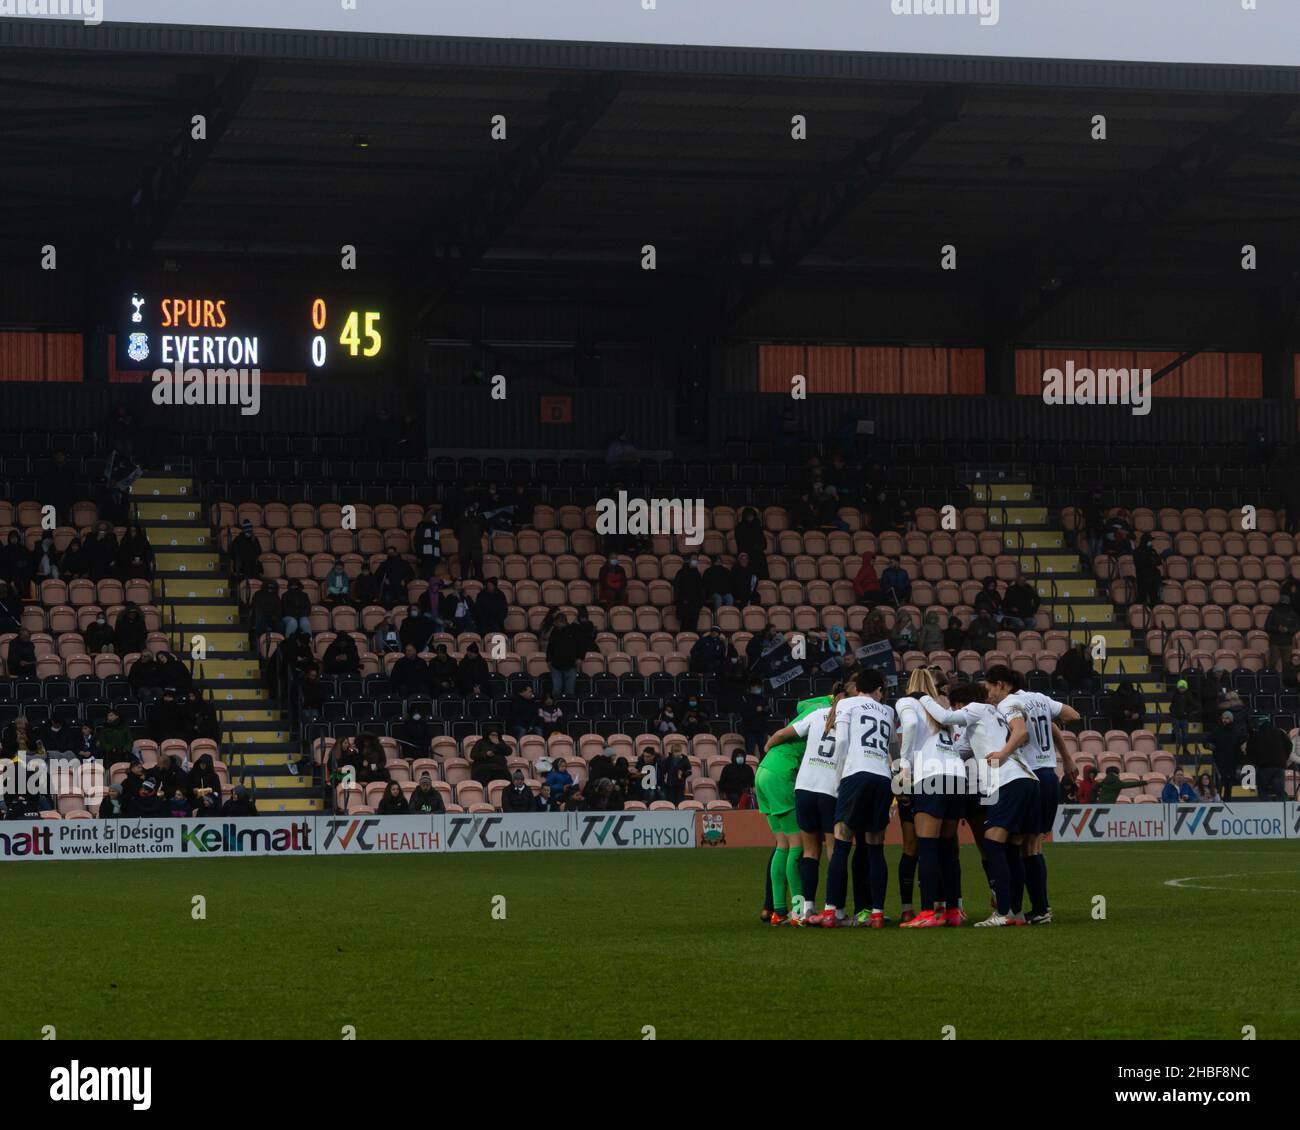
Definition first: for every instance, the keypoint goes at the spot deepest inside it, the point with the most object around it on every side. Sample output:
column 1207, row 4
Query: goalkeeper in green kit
column 774, row 787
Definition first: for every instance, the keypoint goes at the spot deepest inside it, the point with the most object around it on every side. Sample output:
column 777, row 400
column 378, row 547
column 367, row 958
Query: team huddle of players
column 984, row 753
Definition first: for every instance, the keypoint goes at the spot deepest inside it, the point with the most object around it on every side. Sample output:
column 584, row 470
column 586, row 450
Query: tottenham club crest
column 137, row 347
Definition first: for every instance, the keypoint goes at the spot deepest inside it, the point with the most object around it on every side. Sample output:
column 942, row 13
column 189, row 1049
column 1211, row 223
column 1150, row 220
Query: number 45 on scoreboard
column 359, row 335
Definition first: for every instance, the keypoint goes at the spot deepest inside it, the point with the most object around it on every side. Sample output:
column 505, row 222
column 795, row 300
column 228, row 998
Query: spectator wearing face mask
column 736, row 780
column 688, row 595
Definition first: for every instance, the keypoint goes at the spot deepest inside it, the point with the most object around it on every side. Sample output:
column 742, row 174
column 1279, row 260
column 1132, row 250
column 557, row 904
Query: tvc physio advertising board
column 342, row 835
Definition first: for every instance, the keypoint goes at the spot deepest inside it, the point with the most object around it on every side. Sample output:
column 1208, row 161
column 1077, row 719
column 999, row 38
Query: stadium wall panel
column 469, row 417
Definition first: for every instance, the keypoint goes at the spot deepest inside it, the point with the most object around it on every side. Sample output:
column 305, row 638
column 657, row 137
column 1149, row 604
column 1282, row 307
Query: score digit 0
column 318, row 324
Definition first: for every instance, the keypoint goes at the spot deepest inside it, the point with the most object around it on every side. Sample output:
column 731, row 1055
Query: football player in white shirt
column 938, row 793
column 1030, row 715
column 864, row 731
column 1010, row 799
column 912, row 731
column 815, row 788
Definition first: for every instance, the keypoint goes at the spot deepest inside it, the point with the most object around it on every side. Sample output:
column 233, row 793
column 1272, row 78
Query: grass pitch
column 1198, row 941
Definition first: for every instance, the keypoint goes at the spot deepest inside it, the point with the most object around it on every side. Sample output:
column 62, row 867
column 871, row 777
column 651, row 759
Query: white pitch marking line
column 1187, row 883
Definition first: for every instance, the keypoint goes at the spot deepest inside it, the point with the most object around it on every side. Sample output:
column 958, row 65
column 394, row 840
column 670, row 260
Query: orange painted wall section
column 36, row 356
column 885, row 370
column 1207, row 375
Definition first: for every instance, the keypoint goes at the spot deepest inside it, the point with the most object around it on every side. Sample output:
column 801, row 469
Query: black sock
column 808, row 869
column 879, row 875
column 1016, row 862
column 906, row 878
column 837, row 875
column 927, row 852
column 999, row 870
column 860, row 870
column 950, row 855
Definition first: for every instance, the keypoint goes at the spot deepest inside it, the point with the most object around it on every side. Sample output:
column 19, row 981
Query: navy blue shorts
column 974, row 809
column 863, row 801
column 1049, row 785
column 1016, row 808
column 943, row 801
column 815, row 812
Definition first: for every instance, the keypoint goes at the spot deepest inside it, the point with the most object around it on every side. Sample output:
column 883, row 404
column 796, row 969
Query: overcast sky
column 1157, row 30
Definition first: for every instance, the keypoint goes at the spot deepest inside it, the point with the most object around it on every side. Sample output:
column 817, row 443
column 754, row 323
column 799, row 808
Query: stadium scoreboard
column 312, row 333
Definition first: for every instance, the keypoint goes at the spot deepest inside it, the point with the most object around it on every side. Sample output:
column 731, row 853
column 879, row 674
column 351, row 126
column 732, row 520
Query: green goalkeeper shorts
column 775, row 793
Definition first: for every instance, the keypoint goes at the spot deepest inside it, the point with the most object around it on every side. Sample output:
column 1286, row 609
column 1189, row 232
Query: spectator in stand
column 755, row 722
column 1205, row 790
column 523, row 718
column 1117, row 534
column 1281, row 626
column 245, row 551
column 488, row 758
column 523, row 506
column 143, row 677
column 455, row 609
column 518, row 797
column 1268, row 749
column 903, row 638
column 410, row 675
column 20, row 659
column 442, row 672
column 954, row 636
column 744, row 582
column 1110, row 786
column 717, row 585
column 143, row 798
column 473, row 675
column 1127, row 708
column 982, row 635
column 17, row 565
column 491, row 607
column 469, row 541
column 931, row 635
column 1225, row 741
column 550, row 715
column 387, row 639
column 751, row 538
column 1086, row 786
column 266, row 610
column 111, row 807
column 296, row 605
column 666, row 721
column 47, row 560
column 240, row 803
column 392, row 803
column 1178, row 790
column 313, row 694
column 866, row 585
column 562, row 655
column 1020, row 605
column 611, row 583
column 708, row 653
column 647, row 787
column 989, row 600
column 365, row 589
column 374, row 762
column 72, row 563
column 426, row 542
column 874, row 628
column 416, row 628
column 1075, row 671
column 674, row 772
column 393, row 577
column 114, row 740
column 426, row 799
column 1149, row 567
column 135, row 555
column 180, row 804
column 736, row 781
column 688, row 595
column 100, row 550
column 341, row 657
column 1184, row 707
column 337, row 588
column 895, row 584
column 173, row 673
column 558, row 782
